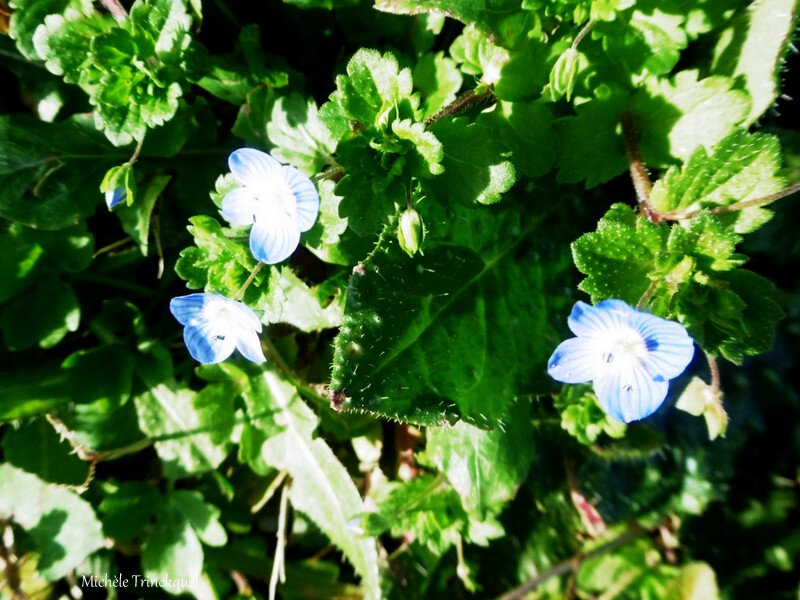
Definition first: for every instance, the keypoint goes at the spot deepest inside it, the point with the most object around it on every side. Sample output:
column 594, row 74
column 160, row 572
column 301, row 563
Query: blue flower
column 216, row 325
column 630, row 356
column 277, row 200
column 115, row 196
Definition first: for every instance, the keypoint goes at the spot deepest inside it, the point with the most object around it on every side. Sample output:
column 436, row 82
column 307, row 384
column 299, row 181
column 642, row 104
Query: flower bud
column 564, row 73
column 118, row 185
column 410, row 231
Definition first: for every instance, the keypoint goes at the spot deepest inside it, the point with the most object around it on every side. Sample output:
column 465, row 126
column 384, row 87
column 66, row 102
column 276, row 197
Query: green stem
column 582, row 34
column 112, row 246
column 648, row 293
column 240, row 294
column 573, row 564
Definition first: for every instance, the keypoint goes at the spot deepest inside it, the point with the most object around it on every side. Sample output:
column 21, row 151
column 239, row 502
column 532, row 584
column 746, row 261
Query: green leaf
column 425, row 507
column 321, row 487
column 62, row 525
column 477, row 55
column 675, row 117
column 49, row 172
column 330, row 239
column 525, row 73
column 202, row 516
column 752, row 49
column 167, row 412
column 127, row 508
column 373, row 86
column 438, row 80
column 221, row 260
column 646, row 39
column 99, row 383
column 502, row 20
column 18, row 261
column 103, row 374
column 526, row 129
column 22, row 398
column 425, row 149
column 297, row 136
column 29, row 14
column 251, row 121
column 285, row 298
column 741, row 167
column 136, row 218
column 61, row 40
column 132, row 70
column 582, row 416
column 234, row 77
column 475, row 169
column 589, row 135
column 370, row 193
column 172, row 551
column 619, row 256
column 734, row 315
column 36, row 448
column 57, row 310
column 481, row 290
column 485, row 467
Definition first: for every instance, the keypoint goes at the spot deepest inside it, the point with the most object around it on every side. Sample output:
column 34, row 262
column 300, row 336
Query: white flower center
column 623, row 347
column 221, row 318
column 274, row 198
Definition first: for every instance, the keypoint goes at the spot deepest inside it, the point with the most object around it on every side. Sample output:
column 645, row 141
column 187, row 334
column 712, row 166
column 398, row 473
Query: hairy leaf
column 403, row 316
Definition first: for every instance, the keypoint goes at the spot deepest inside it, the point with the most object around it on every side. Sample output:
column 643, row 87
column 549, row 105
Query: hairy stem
column 582, row 34
column 459, row 104
column 681, row 215
column 713, row 369
column 116, row 9
column 136, row 151
column 334, row 174
column 637, row 168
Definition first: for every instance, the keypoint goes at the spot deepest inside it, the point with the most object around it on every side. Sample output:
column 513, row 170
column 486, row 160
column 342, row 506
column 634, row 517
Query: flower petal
column 246, row 318
column 575, row 360
column 594, row 321
column 273, row 240
column 670, row 349
column 240, row 206
column 306, row 196
column 115, row 196
column 188, row 309
column 629, row 394
column 207, row 344
column 250, row 166
column 249, row 344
